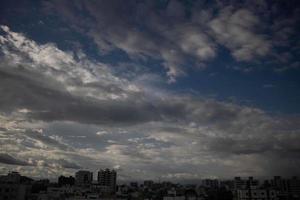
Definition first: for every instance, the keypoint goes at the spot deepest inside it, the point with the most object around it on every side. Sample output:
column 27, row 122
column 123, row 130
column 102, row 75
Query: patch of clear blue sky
column 275, row 92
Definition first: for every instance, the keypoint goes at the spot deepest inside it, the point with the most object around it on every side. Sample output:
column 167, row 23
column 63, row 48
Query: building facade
column 256, row 194
column 83, row 177
column 107, row 178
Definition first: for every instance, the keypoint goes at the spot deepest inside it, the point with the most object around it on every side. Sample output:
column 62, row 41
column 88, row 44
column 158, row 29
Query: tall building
column 281, row 185
column 294, row 187
column 108, row 178
column 238, row 183
column 83, row 177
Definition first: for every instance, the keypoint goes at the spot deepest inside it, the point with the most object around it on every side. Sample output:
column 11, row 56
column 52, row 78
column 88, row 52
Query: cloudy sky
column 167, row 89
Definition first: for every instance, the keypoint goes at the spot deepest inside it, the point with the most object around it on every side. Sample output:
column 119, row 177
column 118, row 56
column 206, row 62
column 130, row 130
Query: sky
column 164, row 90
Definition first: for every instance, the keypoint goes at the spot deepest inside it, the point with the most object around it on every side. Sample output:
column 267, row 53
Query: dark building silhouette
column 210, row 183
column 294, row 187
column 83, row 177
column 148, row 183
column 134, row 184
column 107, row 178
column 63, row 180
column 13, row 186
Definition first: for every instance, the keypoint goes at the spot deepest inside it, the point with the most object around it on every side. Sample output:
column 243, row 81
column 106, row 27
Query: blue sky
column 262, row 81
column 80, row 74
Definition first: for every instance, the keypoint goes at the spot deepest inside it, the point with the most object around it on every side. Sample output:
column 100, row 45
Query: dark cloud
column 245, row 146
column 10, row 160
column 67, row 164
column 50, row 104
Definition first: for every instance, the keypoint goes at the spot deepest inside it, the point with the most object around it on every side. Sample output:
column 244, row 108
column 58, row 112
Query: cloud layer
column 63, row 111
column 169, row 35
column 180, row 36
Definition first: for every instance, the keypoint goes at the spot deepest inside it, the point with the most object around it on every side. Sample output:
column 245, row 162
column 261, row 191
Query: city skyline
column 14, row 186
column 171, row 89
column 94, row 179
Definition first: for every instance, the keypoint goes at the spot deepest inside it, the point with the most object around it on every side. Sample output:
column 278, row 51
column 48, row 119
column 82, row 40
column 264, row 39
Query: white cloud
column 172, row 41
column 238, row 31
column 100, row 133
column 79, row 77
column 171, row 38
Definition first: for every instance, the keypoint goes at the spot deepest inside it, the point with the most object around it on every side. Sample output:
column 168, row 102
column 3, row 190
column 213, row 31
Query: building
column 83, row 178
column 288, row 188
column 282, row 186
column 256, row 194
column 11, row 177
column 13, row 186
column 239, row 183
column 63, row 180
column 134, row 185
column 148, row 183
column 294, row 187
column 252, row 183
column 210, row 183
column 13, row 191
column 107, row 178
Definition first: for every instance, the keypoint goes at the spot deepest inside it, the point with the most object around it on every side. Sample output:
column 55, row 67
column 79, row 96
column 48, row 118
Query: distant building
column 14, row 177
column 189, row 194
column 239, row 183
column 227, row 184
column 63, row 180
column 134, row 184
column 14, row 191
column 83, row 177
column 11, row 177
column 210, row 183
column 252, row 183
column 287, row 188
column 13, row 186
column 148, row 183
column 174, row 198
column 282, row 186
column 256, row 194
column 108, row 178
column 294, row 187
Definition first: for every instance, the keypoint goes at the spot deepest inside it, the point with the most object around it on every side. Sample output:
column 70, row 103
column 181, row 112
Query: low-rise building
column 256, row 194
